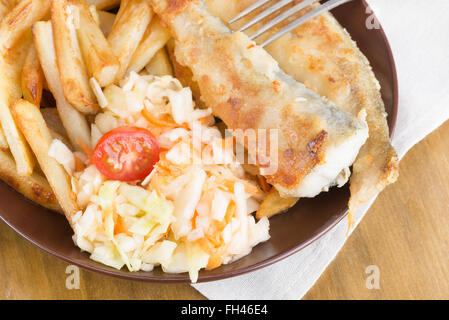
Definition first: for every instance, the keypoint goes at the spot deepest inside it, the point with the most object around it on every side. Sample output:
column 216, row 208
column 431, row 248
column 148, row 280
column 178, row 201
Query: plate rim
column 102, row 269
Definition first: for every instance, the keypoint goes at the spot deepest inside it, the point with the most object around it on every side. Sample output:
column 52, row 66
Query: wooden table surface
column 405, row 234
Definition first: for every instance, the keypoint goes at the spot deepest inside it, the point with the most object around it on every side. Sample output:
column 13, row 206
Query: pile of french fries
column 71, row 49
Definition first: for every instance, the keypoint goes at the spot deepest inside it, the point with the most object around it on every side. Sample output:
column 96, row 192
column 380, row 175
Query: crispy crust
column 184, row 74
column 35, row 187
column 247, row 90
column 323, row 56
column 32, row 78
column 175, row 6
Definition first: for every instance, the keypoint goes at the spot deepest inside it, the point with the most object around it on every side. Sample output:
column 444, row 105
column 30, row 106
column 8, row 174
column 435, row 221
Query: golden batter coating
column 245, row 87
column 322, row 55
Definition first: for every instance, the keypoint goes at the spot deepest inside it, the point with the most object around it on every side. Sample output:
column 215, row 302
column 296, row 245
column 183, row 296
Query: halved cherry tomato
column 126, row 154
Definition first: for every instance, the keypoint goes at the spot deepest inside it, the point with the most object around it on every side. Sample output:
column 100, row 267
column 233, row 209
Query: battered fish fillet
column 322, row 55
column 245, row 87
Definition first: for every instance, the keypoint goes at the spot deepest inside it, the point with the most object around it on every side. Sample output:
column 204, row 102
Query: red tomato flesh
column 126, row 154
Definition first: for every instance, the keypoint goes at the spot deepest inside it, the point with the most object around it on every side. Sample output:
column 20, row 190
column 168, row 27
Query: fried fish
column 322, row 55
column 245, row 87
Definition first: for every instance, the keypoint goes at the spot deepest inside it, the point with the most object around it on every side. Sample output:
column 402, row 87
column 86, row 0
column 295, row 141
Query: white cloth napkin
column 418, row 32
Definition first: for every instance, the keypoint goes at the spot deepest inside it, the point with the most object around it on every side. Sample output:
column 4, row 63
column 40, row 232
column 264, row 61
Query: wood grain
column 405, row 234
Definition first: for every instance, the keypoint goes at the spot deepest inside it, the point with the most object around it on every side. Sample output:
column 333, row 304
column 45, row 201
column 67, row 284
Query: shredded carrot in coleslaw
column 188, row 213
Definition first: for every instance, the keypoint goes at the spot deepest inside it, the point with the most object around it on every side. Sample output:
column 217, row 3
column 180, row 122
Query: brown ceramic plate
column 290, row 232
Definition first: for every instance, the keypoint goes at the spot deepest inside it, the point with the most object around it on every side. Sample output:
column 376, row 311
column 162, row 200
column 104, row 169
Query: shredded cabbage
column 193, row 211
column 62, row 154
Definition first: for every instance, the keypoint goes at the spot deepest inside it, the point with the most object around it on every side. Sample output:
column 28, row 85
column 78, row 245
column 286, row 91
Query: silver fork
column 329, row 5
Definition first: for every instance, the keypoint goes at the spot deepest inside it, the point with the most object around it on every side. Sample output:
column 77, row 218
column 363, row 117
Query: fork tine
column 248, row 10
column 307, row 17
column 282, row 17
column 265, row 13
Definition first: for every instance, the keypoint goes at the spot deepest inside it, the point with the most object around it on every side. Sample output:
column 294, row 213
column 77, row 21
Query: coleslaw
column 193, row 211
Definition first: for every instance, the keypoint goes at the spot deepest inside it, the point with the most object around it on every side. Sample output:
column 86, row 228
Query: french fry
column 94, row 12
column 19, row 20
column 274, row 204
column 10, row 91
column 13, row 62
column 34, row 187
column 106, row 21
column 74, row 121
column 3, row 143
column 121, row 8
column 154, row 39
column 160, row 64
column 4, row 8
column 39, row 137
column 72, row 71
column 32, row 78
column 100, row 61
column 104, row 4
column 129, row 27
